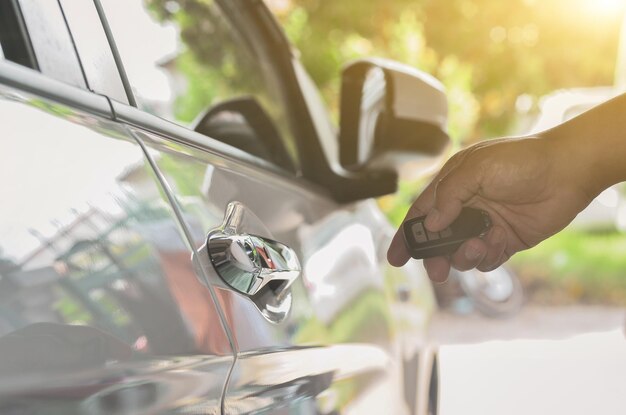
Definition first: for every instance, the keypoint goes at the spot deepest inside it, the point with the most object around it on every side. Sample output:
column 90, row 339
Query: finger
column 437, row 268
column 397, row 254
column 470, row 254
column 451, row 192
column 426, row 200
column 496, row 241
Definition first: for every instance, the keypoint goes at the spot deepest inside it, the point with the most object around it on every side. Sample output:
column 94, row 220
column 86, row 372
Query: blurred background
column 510, row 67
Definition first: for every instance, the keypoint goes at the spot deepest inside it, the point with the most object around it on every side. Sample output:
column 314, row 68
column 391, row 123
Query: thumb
column 451, row 193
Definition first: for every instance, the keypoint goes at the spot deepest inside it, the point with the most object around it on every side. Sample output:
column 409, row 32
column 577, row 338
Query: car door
column 101, row 310
column 324, row 342
column 321, row 342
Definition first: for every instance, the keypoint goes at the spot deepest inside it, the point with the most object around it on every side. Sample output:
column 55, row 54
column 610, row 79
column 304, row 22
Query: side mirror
column 393, row 117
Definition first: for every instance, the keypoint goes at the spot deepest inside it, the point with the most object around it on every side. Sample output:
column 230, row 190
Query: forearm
column 592, row 146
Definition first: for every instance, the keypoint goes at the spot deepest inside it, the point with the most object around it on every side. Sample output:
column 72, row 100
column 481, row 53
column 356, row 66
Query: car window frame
column 177, row 133
column 316, row 171
column 33, row 81
column 162, row 126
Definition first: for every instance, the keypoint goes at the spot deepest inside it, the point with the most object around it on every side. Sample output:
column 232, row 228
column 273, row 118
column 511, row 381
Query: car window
column 193, row 66
column 14, row 42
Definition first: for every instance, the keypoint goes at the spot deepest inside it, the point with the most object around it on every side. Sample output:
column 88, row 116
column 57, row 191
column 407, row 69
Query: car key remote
column 422, row 243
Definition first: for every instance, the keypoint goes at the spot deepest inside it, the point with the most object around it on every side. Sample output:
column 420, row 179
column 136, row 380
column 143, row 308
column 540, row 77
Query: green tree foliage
column 487, row 52
column 214, row 64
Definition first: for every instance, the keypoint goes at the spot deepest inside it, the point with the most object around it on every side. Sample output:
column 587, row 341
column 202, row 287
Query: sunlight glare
column 607, row 6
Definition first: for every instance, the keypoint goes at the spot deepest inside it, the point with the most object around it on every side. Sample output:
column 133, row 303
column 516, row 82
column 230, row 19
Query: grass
column 574, row 267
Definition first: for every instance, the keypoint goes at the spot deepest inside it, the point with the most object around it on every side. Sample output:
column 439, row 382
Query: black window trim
column 21, row 26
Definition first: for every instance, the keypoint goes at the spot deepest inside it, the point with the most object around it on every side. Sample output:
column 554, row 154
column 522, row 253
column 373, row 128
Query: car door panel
column 101, row 310
column 339, row 312
column 307, row 380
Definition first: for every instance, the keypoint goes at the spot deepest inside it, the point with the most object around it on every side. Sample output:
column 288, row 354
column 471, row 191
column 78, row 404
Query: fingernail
column 392, row 257
column 432, row 219
column 439, row 279
column 436, row 276
column 396, row 257
column 472, row 253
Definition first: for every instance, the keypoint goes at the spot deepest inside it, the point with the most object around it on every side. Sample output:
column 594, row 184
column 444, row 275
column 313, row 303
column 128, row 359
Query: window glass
column 187, row 61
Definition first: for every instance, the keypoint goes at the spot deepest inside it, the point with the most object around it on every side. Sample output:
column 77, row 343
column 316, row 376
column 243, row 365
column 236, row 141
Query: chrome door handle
column 249, row 263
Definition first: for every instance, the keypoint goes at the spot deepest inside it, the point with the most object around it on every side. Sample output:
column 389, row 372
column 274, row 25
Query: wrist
column 590, row 150
column 572, row 162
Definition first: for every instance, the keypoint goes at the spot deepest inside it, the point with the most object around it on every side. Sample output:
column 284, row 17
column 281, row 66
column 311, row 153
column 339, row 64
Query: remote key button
column 432, row 236
column 419, row 233
column 446, row 233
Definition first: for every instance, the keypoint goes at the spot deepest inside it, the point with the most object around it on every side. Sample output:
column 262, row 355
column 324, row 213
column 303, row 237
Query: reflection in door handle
column 250, row 263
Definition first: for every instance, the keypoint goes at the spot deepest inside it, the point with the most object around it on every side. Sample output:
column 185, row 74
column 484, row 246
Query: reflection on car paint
column 292, row 379
column 99, row 301
column 327, row 239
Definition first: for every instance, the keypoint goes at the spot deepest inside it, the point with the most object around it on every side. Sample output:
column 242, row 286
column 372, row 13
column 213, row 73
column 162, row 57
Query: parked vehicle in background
column 496, row 293
column 608, row 210
column 187, row 232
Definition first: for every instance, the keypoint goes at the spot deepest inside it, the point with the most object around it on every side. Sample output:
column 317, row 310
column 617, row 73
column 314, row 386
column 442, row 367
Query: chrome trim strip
column 178, row 133
column 171, row 130
column 34, row 82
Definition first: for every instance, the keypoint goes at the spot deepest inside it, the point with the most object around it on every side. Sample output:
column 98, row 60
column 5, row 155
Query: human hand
column 529, row 187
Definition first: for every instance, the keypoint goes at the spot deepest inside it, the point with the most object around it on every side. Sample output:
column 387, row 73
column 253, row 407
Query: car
column 184, row 230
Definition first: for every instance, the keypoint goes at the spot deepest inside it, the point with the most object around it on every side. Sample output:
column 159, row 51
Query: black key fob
column 422, row 243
